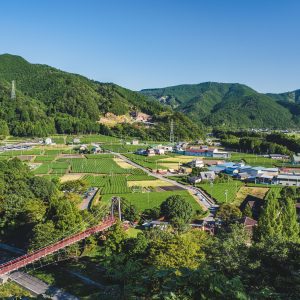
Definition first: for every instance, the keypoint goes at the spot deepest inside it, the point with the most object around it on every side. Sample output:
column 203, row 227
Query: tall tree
column 290, row 230
column 270, row 222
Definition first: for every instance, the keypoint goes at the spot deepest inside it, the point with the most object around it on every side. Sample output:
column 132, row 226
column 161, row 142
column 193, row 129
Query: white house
column 159, row 151
column 134, row 142
column 196, row 163
column 48, row 141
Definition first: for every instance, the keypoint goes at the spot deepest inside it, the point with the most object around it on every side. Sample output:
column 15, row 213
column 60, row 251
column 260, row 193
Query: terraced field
column 44, row 158
column 99, row 166
column 109, row 184
column 140, row 177
column 147, row 162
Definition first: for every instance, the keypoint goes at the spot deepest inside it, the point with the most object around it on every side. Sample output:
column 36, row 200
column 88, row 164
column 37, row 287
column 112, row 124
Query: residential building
column 208, row 175
column 150, row 152
column 248, row 224
column 159, row 151
column 141, row 152
column 195, row 179
column 242, row 176
column 296, row 159
column 196, row 163
column 288, row 179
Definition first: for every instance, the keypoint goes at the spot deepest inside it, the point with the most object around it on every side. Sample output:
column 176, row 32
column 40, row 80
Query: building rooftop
column 289, row 176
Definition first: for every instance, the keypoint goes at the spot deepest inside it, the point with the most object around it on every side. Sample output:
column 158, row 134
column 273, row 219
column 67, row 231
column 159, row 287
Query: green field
column 218, row 190
column 58, row 168
column 152, row 199
column 95, row 180
column 93, row 138
column 100, row 166
column 140, row 177
column 13, row 153
column 44, row 158
column 255, row 160
column 120, row 148
column 151, row 162
column 99, row 156
column 116, row 184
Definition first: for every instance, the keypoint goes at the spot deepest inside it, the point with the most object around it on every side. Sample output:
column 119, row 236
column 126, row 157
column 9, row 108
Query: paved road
column 86, row 202
column 38, row 287
column 203, row 199
column 33, row 284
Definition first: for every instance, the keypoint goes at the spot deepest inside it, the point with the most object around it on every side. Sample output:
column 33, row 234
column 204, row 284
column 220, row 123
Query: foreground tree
column 229, row 213
column 176, row 208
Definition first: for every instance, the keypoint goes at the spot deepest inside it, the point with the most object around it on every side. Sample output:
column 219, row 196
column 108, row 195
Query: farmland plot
column 105, row 166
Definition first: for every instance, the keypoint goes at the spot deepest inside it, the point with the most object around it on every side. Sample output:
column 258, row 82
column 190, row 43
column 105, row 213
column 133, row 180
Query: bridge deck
column 29, row 258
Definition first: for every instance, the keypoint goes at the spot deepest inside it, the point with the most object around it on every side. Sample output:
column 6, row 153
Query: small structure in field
column 134, row 142
column 48, row 141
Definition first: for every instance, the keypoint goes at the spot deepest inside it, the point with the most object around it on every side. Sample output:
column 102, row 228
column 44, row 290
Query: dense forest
column 230, row 105
column 260, row 143
column 52, row 101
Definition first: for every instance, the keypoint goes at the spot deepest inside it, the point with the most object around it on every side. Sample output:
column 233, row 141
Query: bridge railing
column 42, row 252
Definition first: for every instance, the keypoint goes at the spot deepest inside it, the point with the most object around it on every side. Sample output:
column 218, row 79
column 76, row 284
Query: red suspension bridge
column 29, row 258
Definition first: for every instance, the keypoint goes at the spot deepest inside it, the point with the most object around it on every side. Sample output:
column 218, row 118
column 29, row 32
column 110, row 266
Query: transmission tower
column 172, row 132
column 13, row 90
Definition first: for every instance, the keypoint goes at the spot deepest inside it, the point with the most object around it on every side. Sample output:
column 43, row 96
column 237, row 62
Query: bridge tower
column 116, row 205
column 13, row 90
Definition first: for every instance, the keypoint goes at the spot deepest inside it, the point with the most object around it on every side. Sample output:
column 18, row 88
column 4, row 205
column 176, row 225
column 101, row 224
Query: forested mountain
column 231, row 105
column 49, row 100
column 289, row 96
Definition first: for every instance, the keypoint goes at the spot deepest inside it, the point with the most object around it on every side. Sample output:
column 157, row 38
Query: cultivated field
column 245, row 191
column 148, row 183
column 152, row 199
column 218, row 191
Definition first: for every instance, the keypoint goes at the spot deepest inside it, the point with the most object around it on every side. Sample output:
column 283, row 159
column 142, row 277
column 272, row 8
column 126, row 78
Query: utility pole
column 13, row 90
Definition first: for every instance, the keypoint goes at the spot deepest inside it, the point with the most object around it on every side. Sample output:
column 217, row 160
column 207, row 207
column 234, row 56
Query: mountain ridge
column 229, row 104
column 62, row 102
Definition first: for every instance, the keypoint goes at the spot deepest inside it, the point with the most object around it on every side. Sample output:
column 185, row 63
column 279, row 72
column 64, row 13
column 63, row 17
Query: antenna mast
column 172, row 132
column 13, row 90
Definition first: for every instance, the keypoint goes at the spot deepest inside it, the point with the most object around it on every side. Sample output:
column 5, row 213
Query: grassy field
column 100, row 166
column 152, row 199
column 93, row 138
column 149, row 183
column 140, row 177
column 120, row 148
column 250, row 192
column 218, row 190
column 55, row 167
column 151, row 162
column 43, row 158
column 255, row 160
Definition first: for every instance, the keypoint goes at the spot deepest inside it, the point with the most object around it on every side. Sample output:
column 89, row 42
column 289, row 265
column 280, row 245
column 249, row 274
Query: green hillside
column 289, row 96
column 49, row 101
column 230, row 105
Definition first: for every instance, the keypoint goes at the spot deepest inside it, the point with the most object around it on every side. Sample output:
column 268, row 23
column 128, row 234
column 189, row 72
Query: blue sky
column 156, row 43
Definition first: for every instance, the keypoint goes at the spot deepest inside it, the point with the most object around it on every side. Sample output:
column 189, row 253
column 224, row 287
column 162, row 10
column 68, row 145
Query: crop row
column 104, row 166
